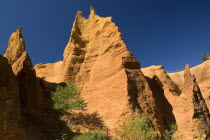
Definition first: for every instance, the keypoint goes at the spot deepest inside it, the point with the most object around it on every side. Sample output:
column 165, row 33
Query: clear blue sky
column 158, row 32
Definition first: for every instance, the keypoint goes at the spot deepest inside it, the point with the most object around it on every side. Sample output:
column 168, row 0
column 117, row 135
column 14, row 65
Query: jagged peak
column 187, row 71
column 16, row 46
column 19, row 32
column 188, row 80
column 92, row 10
column 79, row 14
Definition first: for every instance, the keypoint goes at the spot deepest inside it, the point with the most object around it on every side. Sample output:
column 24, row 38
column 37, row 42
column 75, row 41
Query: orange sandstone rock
column 184, row 98
column 9, row 104
column 29, row 93
column 108, row 76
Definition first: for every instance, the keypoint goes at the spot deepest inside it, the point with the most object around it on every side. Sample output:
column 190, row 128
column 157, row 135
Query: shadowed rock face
column 193, row 107
column 187, row 103
column 9, row 103
column 97, row 60
column 30, row 97
column 165, row 92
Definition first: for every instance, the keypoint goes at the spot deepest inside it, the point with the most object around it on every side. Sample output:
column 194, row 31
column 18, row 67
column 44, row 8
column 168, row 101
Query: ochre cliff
column 10, row 114
column 192, row 107
column 97, row 60
column 16, row 46
column 29, row 93
column 109, row 78
column 164, row 91
column 201, row 72
column 181, row 100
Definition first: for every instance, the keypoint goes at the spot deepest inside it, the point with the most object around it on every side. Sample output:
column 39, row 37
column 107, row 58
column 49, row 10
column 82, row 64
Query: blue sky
column 158, row 32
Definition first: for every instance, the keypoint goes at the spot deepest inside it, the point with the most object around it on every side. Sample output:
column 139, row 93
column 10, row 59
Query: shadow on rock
column 91, row 121
column 48, row 125
column 54, row 124
column 164, row 106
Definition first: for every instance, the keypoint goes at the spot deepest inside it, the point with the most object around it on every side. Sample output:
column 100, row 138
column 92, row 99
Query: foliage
column 67, row 98
column 92, row 121
column 64, row 136
column 137, row 129
column 204, row 56
column 202, row 137
column 92, row 136
column 77, row 128
column 168, row 134
column 208, row 137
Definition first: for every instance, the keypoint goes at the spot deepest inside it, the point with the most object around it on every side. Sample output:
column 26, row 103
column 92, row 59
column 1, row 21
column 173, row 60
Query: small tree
column 137, row 129
column 204, row 56
column 67, row 98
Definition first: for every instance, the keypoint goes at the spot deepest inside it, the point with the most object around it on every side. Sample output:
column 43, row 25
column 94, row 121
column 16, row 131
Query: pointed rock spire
column 92, row 10
column 16, row 46
column 79, row 14
column 191, row 105
column 92, row 48
column 188, row 79
column 18, row 58
column 187, row 73
column 19, row 32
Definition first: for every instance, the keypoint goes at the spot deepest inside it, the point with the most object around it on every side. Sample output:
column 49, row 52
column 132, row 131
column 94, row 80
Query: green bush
column 168, row 134
column 92, row 136
column 64, row 136
column 137, row 129
column 67, row 98
column 204, row 56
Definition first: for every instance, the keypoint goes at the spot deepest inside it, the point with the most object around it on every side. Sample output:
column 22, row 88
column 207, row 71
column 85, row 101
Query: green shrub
column 67, row 98
column 64, row 136
column 137, row 129
column 204, row 56
column 92, row 136
column 202, row 137
column 168, row 134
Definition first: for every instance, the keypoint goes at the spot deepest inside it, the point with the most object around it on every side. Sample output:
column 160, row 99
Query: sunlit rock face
column 16, row 47
column 108, row 76
column 180, row 99
column 192, row 112
column 202, row 74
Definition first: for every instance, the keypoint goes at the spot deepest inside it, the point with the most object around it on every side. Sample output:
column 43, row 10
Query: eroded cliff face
column 109, row 79
column 180, row 100
column 192, row 104
column 165, row 92
column 9, row 103
column 97, row 60
column 201, row 72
